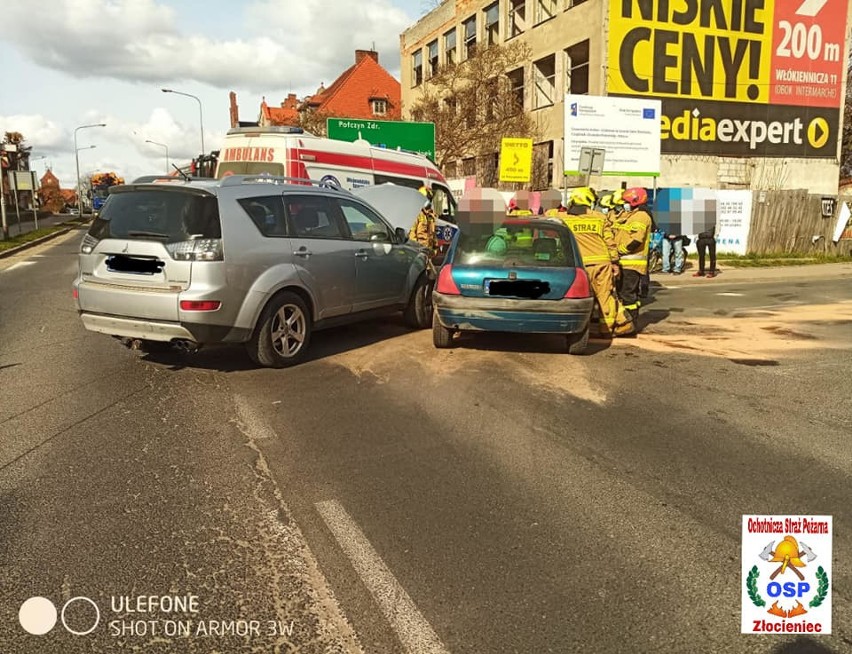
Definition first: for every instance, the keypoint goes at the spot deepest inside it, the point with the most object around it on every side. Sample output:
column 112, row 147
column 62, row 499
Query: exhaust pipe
column 190, row 347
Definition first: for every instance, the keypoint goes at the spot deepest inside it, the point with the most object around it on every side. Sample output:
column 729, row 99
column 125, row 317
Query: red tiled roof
column 286, row 114
column 351, row 93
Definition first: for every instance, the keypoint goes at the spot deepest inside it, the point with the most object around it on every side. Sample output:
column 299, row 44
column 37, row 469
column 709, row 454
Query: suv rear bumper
column 153, row 330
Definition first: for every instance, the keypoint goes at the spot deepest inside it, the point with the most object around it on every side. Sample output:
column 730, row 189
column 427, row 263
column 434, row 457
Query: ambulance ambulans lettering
column 248, row 154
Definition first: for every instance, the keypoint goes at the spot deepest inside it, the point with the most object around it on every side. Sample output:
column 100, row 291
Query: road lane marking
column 19, row 265
column 412, row 629
column 731, row 294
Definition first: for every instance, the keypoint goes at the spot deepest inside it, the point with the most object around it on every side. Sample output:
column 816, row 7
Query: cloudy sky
column 68, row 63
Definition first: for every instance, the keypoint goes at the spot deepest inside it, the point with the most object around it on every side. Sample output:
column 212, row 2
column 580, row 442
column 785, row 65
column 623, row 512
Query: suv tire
column 418, row 311
column 283, row 332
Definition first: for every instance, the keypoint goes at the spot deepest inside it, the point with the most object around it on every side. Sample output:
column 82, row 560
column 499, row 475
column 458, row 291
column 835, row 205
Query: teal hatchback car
column 525, row 276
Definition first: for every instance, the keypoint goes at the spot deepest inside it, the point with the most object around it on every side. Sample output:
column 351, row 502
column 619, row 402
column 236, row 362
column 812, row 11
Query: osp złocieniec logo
column 786, row 566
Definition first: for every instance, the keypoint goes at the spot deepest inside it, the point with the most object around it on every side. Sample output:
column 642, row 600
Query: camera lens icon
column 38, row 615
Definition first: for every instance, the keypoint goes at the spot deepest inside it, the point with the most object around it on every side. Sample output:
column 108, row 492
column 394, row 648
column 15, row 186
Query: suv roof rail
column 236, row 180
column 270, row 129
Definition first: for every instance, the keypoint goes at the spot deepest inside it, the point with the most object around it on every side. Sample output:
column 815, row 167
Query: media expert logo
column 722, row 128
column 786, row 574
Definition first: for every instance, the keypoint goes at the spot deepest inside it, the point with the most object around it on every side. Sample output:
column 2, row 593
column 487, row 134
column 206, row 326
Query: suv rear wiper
column 150, row 234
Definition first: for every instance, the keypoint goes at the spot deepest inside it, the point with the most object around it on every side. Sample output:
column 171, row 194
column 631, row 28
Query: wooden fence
column 788, row 221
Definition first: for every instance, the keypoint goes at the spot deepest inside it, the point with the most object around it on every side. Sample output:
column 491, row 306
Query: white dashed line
column 414, row 632
column 19, row 265
column 731, row 294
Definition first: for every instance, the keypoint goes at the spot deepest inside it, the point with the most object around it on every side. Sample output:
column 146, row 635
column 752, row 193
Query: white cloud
column 38, row 131
column 285, row 45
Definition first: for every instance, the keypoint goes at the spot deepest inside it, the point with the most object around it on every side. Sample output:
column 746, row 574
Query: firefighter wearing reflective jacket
column 424, row 230
column 600, row 258
column 633, row 236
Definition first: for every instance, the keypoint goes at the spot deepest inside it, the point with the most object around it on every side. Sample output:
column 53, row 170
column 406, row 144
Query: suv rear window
column 516, row 245
column 169, row 216
column 249, row 168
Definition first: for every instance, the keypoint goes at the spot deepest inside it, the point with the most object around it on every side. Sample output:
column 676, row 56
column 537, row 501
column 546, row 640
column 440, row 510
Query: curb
column 30, row 244
column 737, row 280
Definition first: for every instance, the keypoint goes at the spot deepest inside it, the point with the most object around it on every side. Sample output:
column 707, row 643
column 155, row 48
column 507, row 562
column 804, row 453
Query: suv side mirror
column 401, row 235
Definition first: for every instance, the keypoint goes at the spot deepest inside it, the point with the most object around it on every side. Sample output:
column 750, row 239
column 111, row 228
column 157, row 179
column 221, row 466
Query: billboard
column 392, row 134
column 737, row 78
column 628, row 129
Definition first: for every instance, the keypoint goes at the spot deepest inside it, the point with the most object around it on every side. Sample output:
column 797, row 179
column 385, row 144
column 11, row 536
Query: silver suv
column 260, row 261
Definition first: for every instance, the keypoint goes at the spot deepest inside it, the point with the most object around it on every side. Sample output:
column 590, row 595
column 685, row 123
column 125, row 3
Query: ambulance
column 292, row 152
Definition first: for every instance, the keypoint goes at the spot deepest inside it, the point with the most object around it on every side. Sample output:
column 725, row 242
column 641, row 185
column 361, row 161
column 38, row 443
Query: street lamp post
column 200, row 114
column 77, row 159
column 79, row 191
column 162, row 145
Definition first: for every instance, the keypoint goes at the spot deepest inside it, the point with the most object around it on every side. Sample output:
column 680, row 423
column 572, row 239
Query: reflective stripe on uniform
column 596, row 259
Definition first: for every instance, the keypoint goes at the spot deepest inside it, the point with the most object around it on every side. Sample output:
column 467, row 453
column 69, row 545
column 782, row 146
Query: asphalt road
column 388, row 497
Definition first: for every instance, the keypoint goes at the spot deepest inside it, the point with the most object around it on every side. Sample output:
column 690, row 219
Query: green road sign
column 391, row 134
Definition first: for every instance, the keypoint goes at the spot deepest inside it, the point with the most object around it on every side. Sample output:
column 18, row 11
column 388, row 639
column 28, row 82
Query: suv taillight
column 202, row 249
column 446, row 284
column 580, row 287
column 88, row 244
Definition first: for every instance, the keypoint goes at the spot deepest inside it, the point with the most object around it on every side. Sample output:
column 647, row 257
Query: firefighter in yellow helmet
column 633, row 237
column 424, row 230
column 519, row 205
column 599, row 258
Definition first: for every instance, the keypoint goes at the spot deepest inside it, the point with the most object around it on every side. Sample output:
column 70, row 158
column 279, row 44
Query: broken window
column 544, row 10
column 450, row 47
column 577, row 68
column 544, row 72
column 492, row 24
column 542, row 173
column 432, row 48
column 469, row 167
column 516, row 18
column 516, row 83
column 417, row 68
column 469, row 27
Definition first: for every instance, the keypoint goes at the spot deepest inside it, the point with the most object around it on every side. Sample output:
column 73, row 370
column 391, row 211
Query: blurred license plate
column 528, row 288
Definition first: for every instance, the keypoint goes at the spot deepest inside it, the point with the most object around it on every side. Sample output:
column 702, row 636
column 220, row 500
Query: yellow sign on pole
column 516, row 160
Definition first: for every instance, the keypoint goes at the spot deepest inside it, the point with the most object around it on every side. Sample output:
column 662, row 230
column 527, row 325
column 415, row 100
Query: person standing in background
column 673, row 243
column 707, row 243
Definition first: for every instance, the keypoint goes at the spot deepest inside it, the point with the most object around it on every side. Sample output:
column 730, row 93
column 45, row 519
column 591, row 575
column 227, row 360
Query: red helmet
column 635, row 196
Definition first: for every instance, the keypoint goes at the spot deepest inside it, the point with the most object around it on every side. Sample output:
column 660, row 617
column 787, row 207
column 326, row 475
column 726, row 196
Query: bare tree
column 473, row 104
column 314, row 121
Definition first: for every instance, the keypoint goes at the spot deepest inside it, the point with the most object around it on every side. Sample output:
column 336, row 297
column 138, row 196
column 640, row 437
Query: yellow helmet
column 787, row 552
column 617, row 198
column 583, row 195
column 606, row 201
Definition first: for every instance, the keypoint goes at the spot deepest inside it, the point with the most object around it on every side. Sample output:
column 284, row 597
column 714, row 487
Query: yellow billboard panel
column 516, row 160
column 719, row 50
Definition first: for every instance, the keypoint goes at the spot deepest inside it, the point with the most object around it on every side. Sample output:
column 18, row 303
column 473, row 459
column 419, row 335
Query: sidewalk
column 730, row 275
column 28, row 224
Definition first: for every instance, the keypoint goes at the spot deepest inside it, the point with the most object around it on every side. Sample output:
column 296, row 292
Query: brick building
column 364, row 90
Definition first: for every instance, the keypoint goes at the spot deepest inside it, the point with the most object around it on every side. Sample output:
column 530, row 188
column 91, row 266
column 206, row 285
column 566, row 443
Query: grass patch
column 15, row 241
